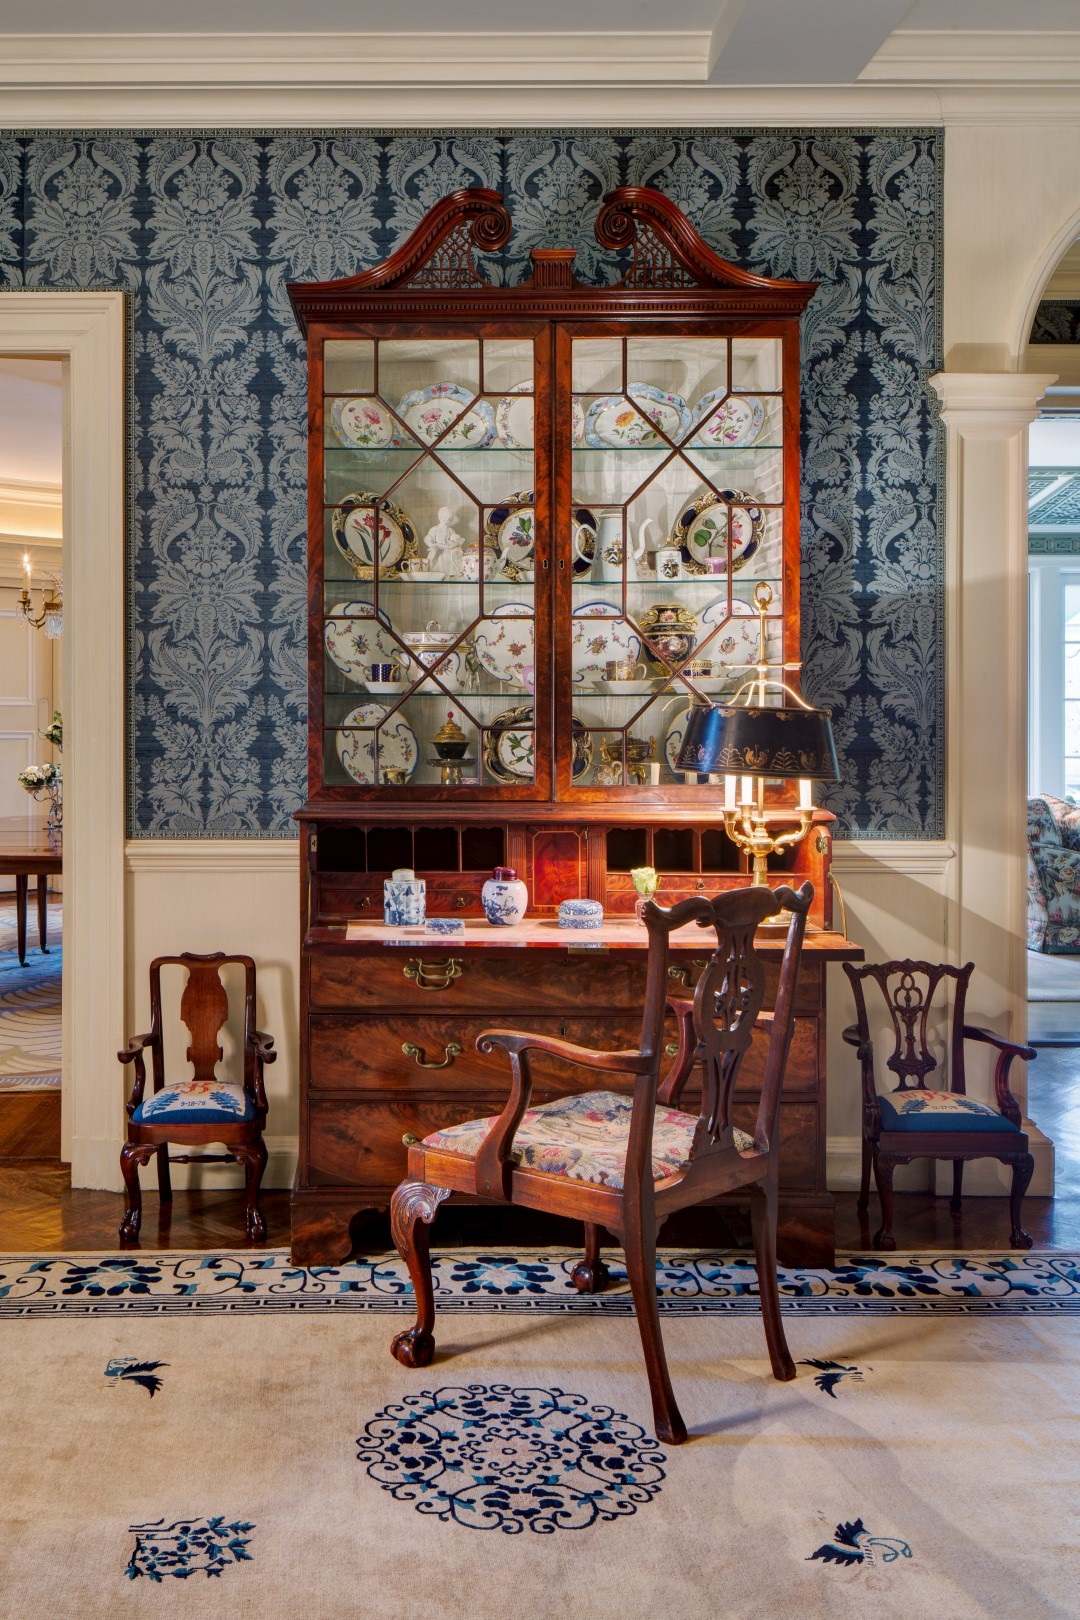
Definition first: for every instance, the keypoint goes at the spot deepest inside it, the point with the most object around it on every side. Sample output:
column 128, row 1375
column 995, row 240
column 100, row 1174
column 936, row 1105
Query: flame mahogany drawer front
column 520, row 980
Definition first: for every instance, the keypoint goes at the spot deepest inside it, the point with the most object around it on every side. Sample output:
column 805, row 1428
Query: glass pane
column 677, row 516
column 430, row 537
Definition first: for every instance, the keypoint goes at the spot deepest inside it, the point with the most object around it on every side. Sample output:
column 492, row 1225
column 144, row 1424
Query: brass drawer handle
column 410, row 1139
column 671, row 1049
column 432, row 975
column 461, row 901
column 681, row 975
column 452, row 1050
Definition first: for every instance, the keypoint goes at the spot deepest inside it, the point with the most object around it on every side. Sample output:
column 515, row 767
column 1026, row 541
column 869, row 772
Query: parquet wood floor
column 41, row 1213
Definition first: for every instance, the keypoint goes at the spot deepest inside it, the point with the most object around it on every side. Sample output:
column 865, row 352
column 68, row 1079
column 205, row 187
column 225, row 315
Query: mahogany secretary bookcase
column 541, row 518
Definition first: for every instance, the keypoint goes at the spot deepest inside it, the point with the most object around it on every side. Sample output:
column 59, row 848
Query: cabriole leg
column 412, row 1210
column 590, row 1275
column 253, row 1157
column 1023, row 1168
column 132, row 1155
column 883, row 1174
column 639, row 1241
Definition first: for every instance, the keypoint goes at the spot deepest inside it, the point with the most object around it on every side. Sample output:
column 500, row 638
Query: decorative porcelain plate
column 510, row 749
column 514, row 418
column 702, row 529
column 354, row 532
column 673, row 740
column 737, row 641
column 365, row 754
column 430, row 411
column 359, row 639
column 600, row 633
column 510, row 533
column 612, row 422
column 583, row 517
column 364, row 423
column 722, row 420
column 504, row 642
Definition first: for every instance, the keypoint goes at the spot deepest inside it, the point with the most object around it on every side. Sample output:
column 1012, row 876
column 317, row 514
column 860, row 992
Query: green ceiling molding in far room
column 204, row 230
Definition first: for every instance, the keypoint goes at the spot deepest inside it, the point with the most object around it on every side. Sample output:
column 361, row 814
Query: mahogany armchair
column 914, row 1120
column 199, row 1108
column 624, row 1161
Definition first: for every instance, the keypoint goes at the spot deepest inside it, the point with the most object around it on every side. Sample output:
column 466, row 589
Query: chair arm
column 972, row 1032
column 263, row 1045
column 1006, row 1052
column 514, row 1042
column 133, row 1053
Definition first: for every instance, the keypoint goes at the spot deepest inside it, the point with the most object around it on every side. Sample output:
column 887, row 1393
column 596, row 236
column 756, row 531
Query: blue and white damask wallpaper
column 204, row 230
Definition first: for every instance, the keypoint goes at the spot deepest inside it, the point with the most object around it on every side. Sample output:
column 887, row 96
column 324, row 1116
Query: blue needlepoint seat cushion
column 199, row 1102
column 938, row 1111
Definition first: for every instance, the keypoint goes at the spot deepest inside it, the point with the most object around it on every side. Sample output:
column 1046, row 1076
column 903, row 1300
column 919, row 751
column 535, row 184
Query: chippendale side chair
column 624, row 1162
column 199, row 1108
column 915, row 1120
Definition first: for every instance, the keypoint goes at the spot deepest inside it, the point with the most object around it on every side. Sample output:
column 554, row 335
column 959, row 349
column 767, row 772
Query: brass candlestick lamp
column 751, row 741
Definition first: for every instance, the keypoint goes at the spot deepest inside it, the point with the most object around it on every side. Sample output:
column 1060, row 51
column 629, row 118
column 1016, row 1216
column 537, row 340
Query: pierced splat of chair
column 624, row 1161
column 918, row 1119
column 199, row 1108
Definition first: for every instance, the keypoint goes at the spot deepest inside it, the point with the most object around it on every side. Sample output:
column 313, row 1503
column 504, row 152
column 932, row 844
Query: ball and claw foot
column 256, row 1226
column 129, row 1231
column 590, row 1279
column 884, row 1240
column 413, row 1348
column 1019, row 1239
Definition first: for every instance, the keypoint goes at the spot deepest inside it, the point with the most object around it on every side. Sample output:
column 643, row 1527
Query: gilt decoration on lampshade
column 745, row 740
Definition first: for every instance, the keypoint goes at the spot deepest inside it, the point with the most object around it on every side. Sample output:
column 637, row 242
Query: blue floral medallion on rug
column 495, row 1458
column 203, row 229
column 688, row 1285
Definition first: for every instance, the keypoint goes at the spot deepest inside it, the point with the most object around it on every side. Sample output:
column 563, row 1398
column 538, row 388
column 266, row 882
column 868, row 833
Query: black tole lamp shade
column 749, row 741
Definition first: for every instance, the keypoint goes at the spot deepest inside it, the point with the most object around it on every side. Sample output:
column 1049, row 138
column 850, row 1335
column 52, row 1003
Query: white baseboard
column 97, row 1164
column 983, row 1178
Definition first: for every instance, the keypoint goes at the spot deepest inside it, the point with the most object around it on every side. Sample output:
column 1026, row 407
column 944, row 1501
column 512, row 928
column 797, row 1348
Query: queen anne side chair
column 200, row 1108
column 624, row 1163
column 916, row 1120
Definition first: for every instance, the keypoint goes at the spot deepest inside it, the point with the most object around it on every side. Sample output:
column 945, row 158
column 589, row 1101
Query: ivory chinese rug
column 30, row 1042
column 174, row 1445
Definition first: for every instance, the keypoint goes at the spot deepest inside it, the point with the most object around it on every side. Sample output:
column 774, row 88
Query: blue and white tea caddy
column 404, row 900
column 504, row 896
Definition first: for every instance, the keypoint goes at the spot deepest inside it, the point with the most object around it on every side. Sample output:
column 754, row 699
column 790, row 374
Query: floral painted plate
column 430, row 411
column 737, row 641
column 613, row 422
column 510, row 533
column 366, row 754
column 356, row 639
column 726, row 421
column 354, row 532
column 600, row 633
column 504, row 643
column 702, row 529
column 510, row 748
column 364, row 423
column 514, row 418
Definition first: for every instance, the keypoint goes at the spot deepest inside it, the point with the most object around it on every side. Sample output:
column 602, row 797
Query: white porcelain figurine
column 444, row 545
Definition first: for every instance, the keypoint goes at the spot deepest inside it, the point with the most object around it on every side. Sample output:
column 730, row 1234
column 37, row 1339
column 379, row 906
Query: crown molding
column 967, row 56
column 26, row 492
column 31, row 513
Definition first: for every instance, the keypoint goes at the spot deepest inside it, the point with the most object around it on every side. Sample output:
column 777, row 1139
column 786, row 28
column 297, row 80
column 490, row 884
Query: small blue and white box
column 581, row 914
column 404, row 899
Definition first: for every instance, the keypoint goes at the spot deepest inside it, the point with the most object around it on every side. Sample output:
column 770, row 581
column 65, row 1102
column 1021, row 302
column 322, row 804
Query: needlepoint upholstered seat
column 920, row 1119
column 198, row 1108
column 622, row 1161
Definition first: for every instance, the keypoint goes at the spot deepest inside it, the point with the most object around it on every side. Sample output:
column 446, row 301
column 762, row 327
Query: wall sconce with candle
column 51, row 617
column 750, row 741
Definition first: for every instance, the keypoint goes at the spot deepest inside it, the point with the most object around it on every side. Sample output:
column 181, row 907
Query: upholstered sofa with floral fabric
column 1053, row 905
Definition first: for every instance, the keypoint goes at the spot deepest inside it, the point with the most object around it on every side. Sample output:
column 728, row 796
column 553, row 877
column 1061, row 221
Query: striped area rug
column 30, row 1005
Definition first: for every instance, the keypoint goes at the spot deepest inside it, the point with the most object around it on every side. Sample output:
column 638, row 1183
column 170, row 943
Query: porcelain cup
column 669, row 563
column 622, row 669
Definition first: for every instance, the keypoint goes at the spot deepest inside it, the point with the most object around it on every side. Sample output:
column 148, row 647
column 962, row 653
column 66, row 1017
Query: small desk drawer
column 438, row 978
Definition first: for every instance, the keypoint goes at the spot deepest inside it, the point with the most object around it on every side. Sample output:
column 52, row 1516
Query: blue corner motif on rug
column 831, row 1373
column 126, row 1369
column 491, row 1457
column 186, row 1547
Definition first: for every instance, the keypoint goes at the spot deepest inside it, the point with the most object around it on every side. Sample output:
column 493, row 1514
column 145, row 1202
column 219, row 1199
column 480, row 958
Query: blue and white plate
column 613, row 422
column 430, row 411
column 366, row 754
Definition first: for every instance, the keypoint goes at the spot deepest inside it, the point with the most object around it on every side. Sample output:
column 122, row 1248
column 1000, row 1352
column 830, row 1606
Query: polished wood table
column 30, row 849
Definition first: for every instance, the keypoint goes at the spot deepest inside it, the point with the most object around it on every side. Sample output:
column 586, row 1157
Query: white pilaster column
column 987, row 415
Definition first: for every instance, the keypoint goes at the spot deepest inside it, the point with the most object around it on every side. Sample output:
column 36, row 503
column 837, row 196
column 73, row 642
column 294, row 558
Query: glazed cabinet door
column 430, row 568
column 677, row 523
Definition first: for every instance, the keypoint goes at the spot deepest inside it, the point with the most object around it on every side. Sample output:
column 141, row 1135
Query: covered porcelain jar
column 404, row 899
column 504, row 896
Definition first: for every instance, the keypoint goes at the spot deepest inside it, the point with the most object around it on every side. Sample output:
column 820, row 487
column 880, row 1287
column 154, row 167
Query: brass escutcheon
column 433, row 975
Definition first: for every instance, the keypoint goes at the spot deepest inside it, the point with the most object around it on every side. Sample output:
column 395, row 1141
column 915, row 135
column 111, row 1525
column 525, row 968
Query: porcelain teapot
column 607, row 547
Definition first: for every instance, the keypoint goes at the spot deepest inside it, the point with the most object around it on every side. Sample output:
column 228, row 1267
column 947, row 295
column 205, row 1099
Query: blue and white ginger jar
column 404, row 899
column 504, row 896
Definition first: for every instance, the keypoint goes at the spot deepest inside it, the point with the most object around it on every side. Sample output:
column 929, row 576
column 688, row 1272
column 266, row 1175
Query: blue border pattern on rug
column 35, row 1286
